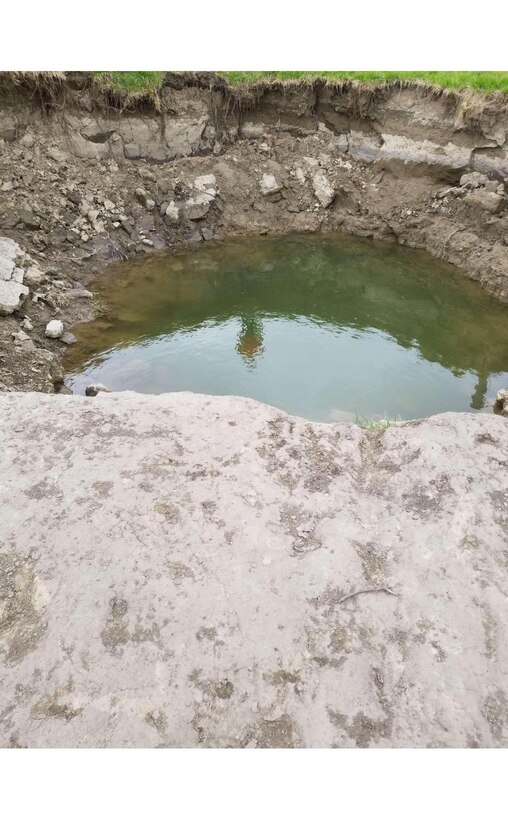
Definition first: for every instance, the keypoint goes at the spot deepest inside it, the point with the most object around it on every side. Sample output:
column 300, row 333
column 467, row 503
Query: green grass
column 142, row 82
column 480, row 80
column 135, row 82
column 374, row 424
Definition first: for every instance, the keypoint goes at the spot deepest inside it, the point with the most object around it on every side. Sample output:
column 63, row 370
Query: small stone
column 146, row 173
column 29, row 220
column 207, row 185
column 68, row 338
column 26, row 324
column 146, row 223
column 300, row 175
column 269, row 185
column 323, row 190
column 172, row 213
column 20, row 336
column 144, row 198
column 443, row 192
column 81, row 293
column 56, row 155
column 494, row 186
column 34, row 276
column 501, row 402
column 93, row 389
column 196, row 210
column 54, row 329
column 473, row 180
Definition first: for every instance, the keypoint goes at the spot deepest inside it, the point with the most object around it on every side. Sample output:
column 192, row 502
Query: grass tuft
column 133, row 82
column 375, row 424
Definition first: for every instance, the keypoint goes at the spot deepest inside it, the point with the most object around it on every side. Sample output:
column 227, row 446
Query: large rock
column 183, row 570
column 12, row 296
column 486, row 200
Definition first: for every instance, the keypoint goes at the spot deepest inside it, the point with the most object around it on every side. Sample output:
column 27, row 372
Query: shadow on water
column 324, row 326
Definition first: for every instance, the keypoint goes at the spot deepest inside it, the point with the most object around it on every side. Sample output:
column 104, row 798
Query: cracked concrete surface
column 172, row 570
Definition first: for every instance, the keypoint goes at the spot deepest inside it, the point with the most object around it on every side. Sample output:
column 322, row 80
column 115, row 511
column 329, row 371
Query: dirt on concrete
column 89, row 176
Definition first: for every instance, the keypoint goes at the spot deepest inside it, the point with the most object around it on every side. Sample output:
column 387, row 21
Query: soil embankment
column 89, row 177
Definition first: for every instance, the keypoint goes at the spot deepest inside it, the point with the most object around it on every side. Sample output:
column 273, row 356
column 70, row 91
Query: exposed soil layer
column 88, row 176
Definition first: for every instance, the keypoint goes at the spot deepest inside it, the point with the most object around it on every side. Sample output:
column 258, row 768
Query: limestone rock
column 324, row 191
column 68, row 338
column 269, row 185
column 207, row 184
column 9, row 248
column 6, row 268
column 172, row 213
column 34, row 276
column 487, row 200
column 194, row 209
column 20, row 336
column 145, row 199
column 473, row 180
column 30, row 220
column 54, row 329
column 12, row 296
column 165, row 558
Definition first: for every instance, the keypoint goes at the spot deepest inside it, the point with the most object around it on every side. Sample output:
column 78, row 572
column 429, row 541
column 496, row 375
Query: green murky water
column 327, row 327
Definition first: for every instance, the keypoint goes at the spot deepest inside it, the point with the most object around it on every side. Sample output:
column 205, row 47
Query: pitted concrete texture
column 174, row 572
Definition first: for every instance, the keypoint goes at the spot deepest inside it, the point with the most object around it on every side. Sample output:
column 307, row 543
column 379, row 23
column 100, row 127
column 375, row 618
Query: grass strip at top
column 142, row 82
column 487, row 81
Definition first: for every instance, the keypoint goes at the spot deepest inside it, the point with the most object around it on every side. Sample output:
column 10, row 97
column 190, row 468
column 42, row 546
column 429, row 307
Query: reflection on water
column 326, row 327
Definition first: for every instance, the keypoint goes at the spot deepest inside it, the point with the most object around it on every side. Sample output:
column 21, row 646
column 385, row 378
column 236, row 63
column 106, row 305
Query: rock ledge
column 174, row 571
